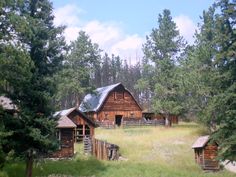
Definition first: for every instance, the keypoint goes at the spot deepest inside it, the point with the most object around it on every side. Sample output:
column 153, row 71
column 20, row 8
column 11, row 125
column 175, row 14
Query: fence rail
column 136, row 123
column 106, row 124
column 102, row 150
column 131, row 122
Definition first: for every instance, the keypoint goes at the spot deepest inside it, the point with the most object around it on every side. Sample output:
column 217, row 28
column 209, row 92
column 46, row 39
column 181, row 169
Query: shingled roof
column 92, row 102
column 67, row 112
column 201, row 142
column 65, row 122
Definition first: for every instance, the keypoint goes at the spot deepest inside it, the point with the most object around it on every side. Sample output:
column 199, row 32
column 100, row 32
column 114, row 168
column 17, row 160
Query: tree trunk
column 29, row 164
column 167, row 120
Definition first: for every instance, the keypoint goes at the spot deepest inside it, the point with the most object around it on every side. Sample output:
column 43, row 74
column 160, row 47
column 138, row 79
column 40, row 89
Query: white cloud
column 67, row 15
column 186, row 27
column 130, row 46
column 102, row 33
column 71, row 33
column 108, row 35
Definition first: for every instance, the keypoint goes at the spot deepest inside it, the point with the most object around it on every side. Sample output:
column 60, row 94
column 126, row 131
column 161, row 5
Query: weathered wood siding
column 206, row 157
column 66, row 144
column 199, row 156
column 210, row 154
column 79, row 121
column 119, row 102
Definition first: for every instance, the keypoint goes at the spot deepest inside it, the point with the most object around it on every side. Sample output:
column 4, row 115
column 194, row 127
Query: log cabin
column 84, row 125
column 205, row 153
column 113, row 103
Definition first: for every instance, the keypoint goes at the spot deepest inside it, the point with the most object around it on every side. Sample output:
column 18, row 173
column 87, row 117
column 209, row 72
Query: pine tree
column 32, row 51
column 80, row 72
column 162, row 47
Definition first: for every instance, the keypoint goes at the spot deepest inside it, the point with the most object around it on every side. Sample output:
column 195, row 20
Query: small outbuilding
column 84, row 125
column 206, row 153
column 65, row 135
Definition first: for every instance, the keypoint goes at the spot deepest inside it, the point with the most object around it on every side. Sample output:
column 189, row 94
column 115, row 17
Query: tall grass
column 150, row 152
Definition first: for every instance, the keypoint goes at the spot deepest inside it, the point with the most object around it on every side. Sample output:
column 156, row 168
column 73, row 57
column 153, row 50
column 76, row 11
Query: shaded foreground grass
column 151, row 152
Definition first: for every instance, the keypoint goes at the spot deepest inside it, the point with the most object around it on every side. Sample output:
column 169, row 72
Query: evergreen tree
column 106, row 70
column 32, row 51
column 209, row 75
column 80, row 72
column 222, row 107
column 162, row 47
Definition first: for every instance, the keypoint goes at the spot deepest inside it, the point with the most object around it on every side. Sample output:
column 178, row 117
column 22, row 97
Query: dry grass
column 151, row 152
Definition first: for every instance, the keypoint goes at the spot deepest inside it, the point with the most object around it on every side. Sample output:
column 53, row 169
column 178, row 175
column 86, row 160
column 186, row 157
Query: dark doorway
column 118, row 119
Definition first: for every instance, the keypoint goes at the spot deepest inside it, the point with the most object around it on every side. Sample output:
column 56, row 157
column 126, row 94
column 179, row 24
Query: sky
column 120, row 26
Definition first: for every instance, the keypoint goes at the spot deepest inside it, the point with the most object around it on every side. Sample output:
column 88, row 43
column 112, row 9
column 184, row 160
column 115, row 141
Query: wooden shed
column 206, row 153
column 65, row 135
column 84, row 125
column 149, row 115
column 112, row 103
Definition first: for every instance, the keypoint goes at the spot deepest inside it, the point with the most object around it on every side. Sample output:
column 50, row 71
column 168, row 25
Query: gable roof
column 67, row 112
column 201, row 142
column 92, row 102
column 65, row 122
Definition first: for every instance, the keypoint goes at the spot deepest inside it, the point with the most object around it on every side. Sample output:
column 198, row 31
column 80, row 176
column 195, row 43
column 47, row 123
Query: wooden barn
column 206, row 153
column 112, row 103
column 65, row 135
column 84, row 125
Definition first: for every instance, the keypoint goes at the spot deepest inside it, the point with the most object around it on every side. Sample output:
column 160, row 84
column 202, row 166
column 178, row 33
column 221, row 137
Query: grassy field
column 147, row 152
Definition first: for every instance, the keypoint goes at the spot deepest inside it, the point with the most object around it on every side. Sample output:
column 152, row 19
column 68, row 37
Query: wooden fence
column 131, row 122
column 102, row 150
column 136, row 123
column 106, row 124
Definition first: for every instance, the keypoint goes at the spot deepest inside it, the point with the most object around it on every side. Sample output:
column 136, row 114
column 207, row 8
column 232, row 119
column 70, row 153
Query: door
column 118, row 120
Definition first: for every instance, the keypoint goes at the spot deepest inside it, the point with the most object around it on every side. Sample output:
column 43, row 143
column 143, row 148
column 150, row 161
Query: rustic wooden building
column 112, row 103
column 206, row 153
column 148, row 115
column 65, row 135
column 84, row 125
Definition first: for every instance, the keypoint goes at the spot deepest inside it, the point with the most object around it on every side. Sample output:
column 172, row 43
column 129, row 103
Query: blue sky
column 120, row 26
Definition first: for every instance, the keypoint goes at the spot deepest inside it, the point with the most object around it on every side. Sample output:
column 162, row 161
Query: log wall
column 206, row 157
column 66, row 144
column 210, row 155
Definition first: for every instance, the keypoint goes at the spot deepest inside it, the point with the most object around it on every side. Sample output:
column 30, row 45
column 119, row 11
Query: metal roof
column 201, row 142
column 93, row 101
column 65, row 122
